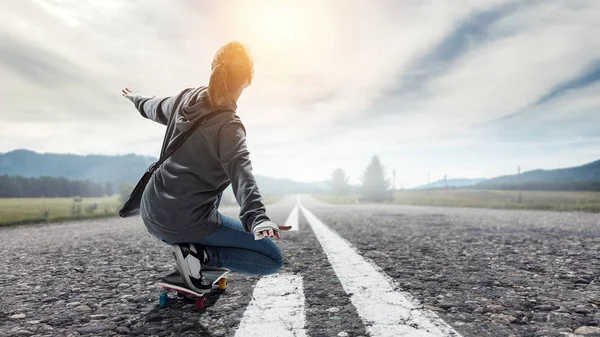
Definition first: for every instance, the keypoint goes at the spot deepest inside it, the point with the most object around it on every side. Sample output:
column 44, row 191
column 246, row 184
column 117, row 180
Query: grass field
column 20, row 211
column 542, row 200
column 14, row 211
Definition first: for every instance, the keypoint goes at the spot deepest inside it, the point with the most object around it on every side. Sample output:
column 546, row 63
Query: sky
column 462, row 88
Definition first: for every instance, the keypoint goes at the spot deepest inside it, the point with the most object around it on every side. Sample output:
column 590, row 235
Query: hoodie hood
column 196, row 105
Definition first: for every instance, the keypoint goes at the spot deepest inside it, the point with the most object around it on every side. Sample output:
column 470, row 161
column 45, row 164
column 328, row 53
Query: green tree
column 375, row 187
column 339, row 182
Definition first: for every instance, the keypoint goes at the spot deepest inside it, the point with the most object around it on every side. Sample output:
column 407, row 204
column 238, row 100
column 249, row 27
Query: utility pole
column 428, row 181
column 393, row 180
column 519, row 182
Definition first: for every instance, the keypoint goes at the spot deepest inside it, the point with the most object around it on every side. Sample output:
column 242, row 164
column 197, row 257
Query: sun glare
column 284, row 36
column 281, row 23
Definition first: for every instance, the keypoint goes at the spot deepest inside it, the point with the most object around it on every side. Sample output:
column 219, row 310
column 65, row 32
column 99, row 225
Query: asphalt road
column 483, row 272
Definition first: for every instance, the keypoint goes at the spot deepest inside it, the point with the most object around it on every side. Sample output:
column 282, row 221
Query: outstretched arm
column 156, row 109
column 235, row 160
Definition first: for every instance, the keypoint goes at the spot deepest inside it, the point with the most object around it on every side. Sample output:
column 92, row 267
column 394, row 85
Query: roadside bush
column 90, row 209
column 76, row 207
column 45, row 213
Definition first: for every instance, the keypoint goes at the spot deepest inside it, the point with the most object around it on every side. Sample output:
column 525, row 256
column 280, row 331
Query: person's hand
column 274, row 233
column 269, row 229
column 131, row 95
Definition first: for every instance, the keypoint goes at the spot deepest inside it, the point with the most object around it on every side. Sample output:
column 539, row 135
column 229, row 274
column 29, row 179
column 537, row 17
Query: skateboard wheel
column 200, row 302
column 163, row 300
column 223, row 284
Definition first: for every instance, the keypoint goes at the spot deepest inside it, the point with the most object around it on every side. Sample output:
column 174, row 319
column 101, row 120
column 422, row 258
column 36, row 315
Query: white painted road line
column 292, row 219
column 385, row 311
column 276, row 309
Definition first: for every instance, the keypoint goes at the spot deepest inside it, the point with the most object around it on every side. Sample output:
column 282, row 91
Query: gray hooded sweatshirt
column 179, row 202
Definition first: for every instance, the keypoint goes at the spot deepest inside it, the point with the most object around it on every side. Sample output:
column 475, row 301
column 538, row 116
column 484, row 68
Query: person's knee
column 278, row 261
column 275, row 265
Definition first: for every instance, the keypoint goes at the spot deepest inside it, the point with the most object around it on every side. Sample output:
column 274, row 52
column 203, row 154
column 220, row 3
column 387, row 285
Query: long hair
column 232, row 67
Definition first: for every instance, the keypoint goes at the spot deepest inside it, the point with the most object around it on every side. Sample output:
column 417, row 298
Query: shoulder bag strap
column 181, row 138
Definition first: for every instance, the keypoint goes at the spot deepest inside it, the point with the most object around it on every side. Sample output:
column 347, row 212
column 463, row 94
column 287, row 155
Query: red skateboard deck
column 174, row 283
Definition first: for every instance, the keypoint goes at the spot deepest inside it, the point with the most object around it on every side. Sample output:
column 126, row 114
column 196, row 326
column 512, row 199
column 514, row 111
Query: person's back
column 179, row 204
column 169, row 205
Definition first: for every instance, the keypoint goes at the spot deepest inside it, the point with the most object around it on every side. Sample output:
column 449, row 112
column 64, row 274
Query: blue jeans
column 233, row 248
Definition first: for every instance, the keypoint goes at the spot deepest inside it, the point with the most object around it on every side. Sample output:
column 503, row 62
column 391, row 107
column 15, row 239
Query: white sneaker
column 189, row 263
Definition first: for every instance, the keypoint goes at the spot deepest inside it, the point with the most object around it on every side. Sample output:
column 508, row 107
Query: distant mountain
column 450, row 183
column 95, row 168
column 115, row 170
column 584, row 177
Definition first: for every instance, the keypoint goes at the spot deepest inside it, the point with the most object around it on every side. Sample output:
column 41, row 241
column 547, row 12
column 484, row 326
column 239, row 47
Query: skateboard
column 174, row 283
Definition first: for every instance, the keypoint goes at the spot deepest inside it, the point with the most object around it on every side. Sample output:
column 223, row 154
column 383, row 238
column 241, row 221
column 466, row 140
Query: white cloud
column 317, row 80
column 549, row 44
column 581, row 104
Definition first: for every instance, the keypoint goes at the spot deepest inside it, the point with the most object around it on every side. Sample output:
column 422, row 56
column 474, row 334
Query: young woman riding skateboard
column 180, row 202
